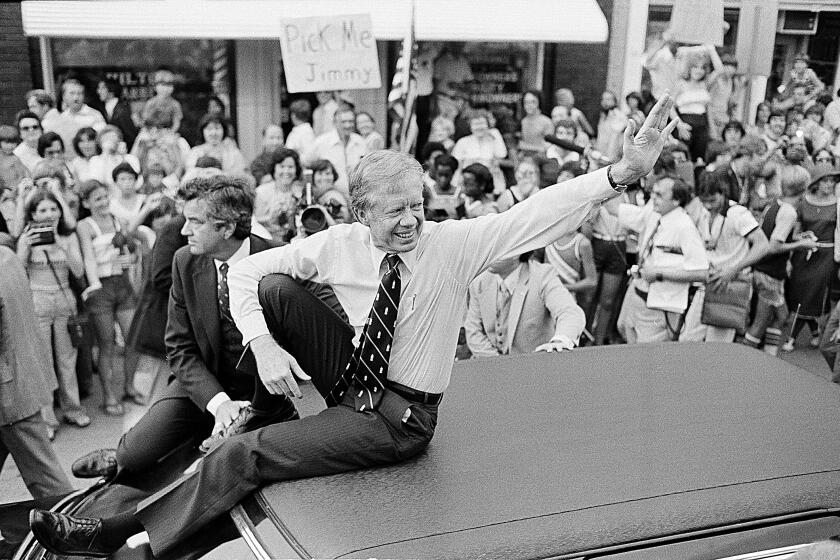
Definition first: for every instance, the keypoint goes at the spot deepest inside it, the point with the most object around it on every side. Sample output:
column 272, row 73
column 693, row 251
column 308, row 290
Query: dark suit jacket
column 149, row 324
column 194, row 332
column 121, row 118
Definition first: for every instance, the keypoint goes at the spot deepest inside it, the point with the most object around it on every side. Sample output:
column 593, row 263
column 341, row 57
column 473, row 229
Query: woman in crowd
column 634, row 108
column 275, row 204
column 691, row 101
column 527, row 183
column 109, row 250
column 366, row 127
column 567, row 130
column 50, row 175
column 50, row 257
column 485, row 146
column 762, row 119
column 214, row 132
column 478, row 191
column 812, row 127
column 112, row 152
column 565, row 98
column 812, row 270
column 731, row 134
column 534, row 126
column 571, row 256
column 51, row 146
column 84, row 143
column 324, row 192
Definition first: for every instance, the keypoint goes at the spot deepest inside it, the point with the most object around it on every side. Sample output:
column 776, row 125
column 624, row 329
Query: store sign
column 697, row 23
column 329, row 53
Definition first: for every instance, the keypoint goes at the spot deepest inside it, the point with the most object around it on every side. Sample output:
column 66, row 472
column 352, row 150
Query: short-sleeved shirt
column 167, row 107
column 675, row 243
column 726, row 236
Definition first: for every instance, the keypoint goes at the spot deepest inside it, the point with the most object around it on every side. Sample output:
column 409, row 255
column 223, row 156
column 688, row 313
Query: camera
column 42, row 235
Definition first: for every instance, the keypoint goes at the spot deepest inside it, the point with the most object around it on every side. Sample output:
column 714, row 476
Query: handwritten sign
column 698, row 23
column 329, row 53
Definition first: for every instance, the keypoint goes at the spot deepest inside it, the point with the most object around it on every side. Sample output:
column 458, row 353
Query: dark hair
column 123, row 167
column 482, row 176
column 526, row 256
column 279, row 155
column 25, row 114
column 712, row 184
column 429, row 148
column 113, row 86
column 158, row 118
column 714, row 149
column 535, row 93
column 8, row 133
column 209, row 119
column 46, row 140
column 816, row 108
column 776, row 113
column 50, row 168
column 83, row 133
column 42, row 97
column 205, row 162
column 36, row 198
column 302, row 109
column 733, row 125
column 567, row 123
column 323, row 165
column 229, row 200
column 664, row 164
column 680, row 190
column 88, row 187
column 446, row 160
column 637, row 96
column 572, row 167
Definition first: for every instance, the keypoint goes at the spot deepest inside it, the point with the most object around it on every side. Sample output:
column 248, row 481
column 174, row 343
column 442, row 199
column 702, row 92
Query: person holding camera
column 50, row 252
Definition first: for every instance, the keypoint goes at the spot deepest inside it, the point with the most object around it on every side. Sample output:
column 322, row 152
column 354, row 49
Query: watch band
column 615, row 186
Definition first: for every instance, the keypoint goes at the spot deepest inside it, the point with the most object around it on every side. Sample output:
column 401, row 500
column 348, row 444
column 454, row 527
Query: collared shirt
column 330, row 147
column 243, row 251
column 68, row 123
column 109, row 106
column 676, row 243
column 436, row 274
column 726, row 237
column 300, row 138
column 28, row 156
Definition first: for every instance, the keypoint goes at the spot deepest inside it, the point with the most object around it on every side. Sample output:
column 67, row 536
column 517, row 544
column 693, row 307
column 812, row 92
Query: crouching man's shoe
column 247, row 421
column 99, row 463
column 68, row 536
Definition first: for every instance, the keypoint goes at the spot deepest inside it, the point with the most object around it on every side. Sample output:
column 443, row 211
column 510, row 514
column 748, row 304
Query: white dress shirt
column 300, row 138
column 243, row 251
column 344, row 157
column 436, row 274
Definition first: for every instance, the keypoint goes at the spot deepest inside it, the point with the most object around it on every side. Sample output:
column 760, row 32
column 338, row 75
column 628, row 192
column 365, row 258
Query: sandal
column 80, row 421
column 115, row 409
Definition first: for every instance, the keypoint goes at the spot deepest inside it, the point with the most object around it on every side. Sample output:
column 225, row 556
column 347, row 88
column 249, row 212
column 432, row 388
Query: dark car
column 665, row 451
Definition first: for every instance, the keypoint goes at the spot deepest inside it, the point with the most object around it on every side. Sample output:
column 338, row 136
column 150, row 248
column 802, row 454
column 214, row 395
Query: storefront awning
column 560, row 21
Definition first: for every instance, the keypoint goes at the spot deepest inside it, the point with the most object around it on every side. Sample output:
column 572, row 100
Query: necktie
column 368, row 368
column 502, row 313
column 223, row 294
column 648, row 246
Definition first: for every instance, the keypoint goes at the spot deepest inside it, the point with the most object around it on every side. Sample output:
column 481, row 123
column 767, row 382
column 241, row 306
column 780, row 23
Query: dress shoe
column 102, row 462
column 247, row 421
column 64, row 535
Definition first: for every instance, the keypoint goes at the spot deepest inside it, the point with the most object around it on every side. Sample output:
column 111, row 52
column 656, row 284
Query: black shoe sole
column 43, row 539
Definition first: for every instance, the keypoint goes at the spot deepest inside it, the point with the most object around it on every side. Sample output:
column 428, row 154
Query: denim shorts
column 115, row 295
column 768, row 289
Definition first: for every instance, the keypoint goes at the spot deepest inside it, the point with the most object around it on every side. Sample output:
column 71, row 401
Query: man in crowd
column 25, row 387
column 402, row 285
column 204, row 348
column 740, row 175
column 29, row 127
column 520, row 306
column 42, row 103
column 76, row 115
column 117, row 110
column 671, row 257
column 302, row 135
column 341, row 146
column 324, row 113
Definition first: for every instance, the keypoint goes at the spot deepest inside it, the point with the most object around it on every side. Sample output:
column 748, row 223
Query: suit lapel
column 517, row 300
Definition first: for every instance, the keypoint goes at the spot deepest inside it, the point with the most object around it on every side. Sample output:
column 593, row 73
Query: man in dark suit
column 206, row 392
column 117, row 111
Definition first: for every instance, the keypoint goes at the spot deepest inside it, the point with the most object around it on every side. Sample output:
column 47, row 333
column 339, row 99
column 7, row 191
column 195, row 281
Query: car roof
column 550, row 454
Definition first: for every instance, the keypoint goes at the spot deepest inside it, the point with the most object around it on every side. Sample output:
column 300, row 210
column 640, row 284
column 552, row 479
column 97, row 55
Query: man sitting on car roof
column 402, row 285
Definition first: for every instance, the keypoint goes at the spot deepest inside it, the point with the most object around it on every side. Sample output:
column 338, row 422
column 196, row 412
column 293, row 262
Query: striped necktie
column 367, row 370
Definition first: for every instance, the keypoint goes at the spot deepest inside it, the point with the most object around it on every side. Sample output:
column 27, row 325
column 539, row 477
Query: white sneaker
column 787, row 346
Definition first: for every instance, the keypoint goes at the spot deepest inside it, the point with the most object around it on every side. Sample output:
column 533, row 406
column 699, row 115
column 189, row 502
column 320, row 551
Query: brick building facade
column 15, row 68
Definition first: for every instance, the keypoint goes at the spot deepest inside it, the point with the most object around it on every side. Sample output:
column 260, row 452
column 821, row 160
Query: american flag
column 403, row 93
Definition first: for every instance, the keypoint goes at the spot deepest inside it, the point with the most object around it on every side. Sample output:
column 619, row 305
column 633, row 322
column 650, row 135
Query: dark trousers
column 336, row 440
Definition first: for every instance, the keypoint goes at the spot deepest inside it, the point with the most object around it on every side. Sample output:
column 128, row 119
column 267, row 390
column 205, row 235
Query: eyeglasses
column 823, row 159
column 33, row 127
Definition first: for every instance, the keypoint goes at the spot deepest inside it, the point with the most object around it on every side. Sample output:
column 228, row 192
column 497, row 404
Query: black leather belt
column 414, row 395
column 641, row 294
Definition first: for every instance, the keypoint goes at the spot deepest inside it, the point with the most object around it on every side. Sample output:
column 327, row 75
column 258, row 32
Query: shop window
column 203, row 68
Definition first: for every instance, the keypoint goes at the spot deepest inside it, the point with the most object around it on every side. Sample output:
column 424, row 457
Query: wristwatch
column 659, row 277
column 615, row 186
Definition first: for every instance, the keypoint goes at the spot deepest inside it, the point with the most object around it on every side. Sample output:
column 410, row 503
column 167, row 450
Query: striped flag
column 401, row 98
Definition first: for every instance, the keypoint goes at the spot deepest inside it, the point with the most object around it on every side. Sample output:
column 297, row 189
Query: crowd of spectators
column 85, row 197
